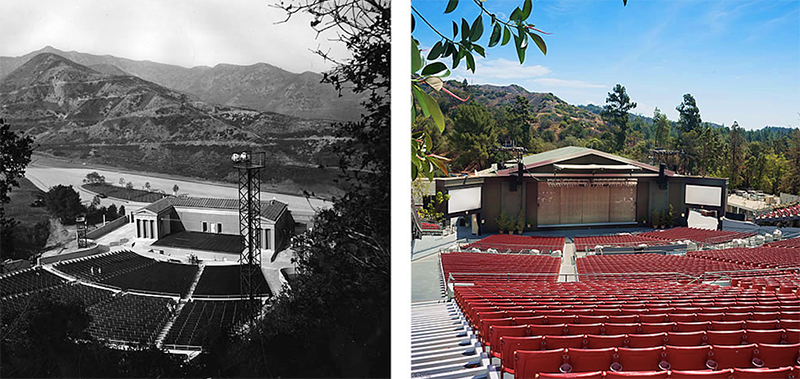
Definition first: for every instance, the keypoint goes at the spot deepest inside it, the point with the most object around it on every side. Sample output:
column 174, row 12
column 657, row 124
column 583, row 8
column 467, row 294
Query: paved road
column 44, row 176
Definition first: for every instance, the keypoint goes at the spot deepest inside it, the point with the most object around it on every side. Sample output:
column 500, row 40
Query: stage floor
column 225, row 243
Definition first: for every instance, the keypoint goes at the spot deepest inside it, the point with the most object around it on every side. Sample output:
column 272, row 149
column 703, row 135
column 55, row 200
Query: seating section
column 27, row 281
column 758, row 257
column 473, row 267
column 226, row 281
column 791, row 243
column 620, row 240
column 130, row 318
column 701, row 236
column 617, row 267
column 506, row 243
column 130, row 271
column 785, row 213
column 786, row 282
column 199, row 321
column 430, row 226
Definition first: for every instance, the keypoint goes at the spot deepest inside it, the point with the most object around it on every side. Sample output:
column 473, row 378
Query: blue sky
column 740, row 59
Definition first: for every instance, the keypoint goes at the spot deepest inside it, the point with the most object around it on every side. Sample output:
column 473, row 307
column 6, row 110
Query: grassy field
column 19, row 208
column 131, row 194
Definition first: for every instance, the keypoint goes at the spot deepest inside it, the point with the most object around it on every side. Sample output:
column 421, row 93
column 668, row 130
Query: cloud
column 504, row 69
column 564, row 83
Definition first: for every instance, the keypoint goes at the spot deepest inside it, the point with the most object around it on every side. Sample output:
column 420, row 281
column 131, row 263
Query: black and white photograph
column 195, row 188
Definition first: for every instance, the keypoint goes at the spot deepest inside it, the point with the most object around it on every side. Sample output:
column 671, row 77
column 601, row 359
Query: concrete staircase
column 179, row 307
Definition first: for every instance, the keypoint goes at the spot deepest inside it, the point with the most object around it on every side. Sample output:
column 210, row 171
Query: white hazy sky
column 180, row 32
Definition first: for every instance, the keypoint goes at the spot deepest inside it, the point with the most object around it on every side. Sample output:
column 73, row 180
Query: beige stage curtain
column 586, row 205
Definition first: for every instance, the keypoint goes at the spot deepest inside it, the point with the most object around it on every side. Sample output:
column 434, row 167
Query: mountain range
column 260, row 87
column 100, row 114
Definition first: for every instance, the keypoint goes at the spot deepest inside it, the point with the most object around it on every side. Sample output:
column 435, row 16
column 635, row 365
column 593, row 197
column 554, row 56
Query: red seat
column 709, row 317
column 682, row 317
column 646, row 340
column 611, row 328
column 533, row 320
column 774, row 336
column 497, row 331
column 590, row 374
column 761, row 373
column 508, row 345
column 763, row 325
column 730, row 316
column 661, row 327
column 792, row 335
column 725, row 337
column 703, row 374
column 778, row 355
column 790, row 324
column 547, row 330
column 623, row 319
column 734, row 356
column 727, row 325
column 584, row 328
column 519, row 313
column 594, row 341
column 643, row 359
column 485, row 324
column 529, row 363
column 561, row 319
column 687, row 357
column 637, row 374
column 692, row 326
column 765, row 316
column 686, row 338
column 591, row 359
column 560, row 342
column 654, row 318
column 606, row 312
column 589, row 319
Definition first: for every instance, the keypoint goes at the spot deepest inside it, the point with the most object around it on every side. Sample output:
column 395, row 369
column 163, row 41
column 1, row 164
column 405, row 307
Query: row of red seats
column 430, row 226
column 483, row 263
column 705, row 236
column 506, row 242
column 598, row 265
column 620, row 240
column 532, row 363
column 764, row 257
column 565, row 316
column 791, row 242
column 787, row 212
column 786, row 283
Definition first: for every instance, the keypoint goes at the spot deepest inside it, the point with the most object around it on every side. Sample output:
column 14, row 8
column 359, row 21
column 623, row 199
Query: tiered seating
column 758, row 257
column 130, row 318
column 788, row 282
column 511, row 243
column 786, row 213
column 27, row 281
column 226, row 281
column 430, row 226
column 199, row 320
column 627, row 265
column 130, row 271
column 792, row 242
column 462, row 265
column 703, row 236
column 620, row 240
column 103, row 267
column 603, row 326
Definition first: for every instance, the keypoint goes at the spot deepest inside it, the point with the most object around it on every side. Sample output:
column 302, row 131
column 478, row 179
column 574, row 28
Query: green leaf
column 455, row 29
column 436, row 51
column 624, row 2
column 439, row 164
column 433, row 109
column 520, row 49
column 413, row 23
column 470, row 61
column 413, row 111
column 414, row 172
column 451, row 6
column 526, row 9
column 516, row 14
column 433, row 68
column 539, row 42
column 428, row 142
column 464, row 30
column 506, row 36
column 495, row 37
column 477, row 29
column 457, row 57
column 479, row 49
column 435, row 82
column 418, row 94
column 416, row 59
column 449, row 49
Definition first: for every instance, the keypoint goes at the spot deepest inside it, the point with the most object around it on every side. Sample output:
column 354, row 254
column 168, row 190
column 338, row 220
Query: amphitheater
column 136, row 300
column 678, row 303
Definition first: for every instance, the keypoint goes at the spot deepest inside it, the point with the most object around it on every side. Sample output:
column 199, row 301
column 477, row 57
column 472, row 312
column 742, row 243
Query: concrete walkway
column 567, row 257
column 426, row 279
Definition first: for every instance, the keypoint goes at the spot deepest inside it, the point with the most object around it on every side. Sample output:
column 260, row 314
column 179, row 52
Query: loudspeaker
column 662, row 177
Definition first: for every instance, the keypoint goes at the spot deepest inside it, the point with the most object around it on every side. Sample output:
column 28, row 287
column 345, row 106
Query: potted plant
column 520, row 224
column 655, row 219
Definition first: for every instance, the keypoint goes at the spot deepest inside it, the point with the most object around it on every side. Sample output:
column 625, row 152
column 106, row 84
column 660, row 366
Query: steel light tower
column 249, row 165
